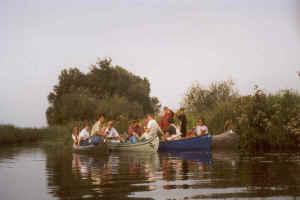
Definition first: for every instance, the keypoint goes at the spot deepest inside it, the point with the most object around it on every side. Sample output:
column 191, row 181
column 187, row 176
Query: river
column 56, row 173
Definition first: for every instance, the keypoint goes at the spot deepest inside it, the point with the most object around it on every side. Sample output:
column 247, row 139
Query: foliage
column 263, row 121
column 199, row 99
column 12, row 135
column 213, row 103
column 267, row 121
column 107, row 89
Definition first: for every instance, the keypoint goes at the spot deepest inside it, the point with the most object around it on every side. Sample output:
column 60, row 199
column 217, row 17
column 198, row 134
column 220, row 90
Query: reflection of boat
column 90, row 148
column 203, row 157
column 88, row 166
column 150, row 145
column 199, row 143
column 139, row 164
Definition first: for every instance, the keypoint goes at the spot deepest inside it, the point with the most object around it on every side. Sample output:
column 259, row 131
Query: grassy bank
column 10, row 134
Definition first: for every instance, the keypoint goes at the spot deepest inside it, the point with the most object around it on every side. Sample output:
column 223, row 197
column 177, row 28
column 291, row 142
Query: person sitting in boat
column 96, row 129
column 137, row 128
column 172, row 131
column 228, row 126
column 152, row 128
column 201, row 128
column 75, row 135
column 84, row 135
column 96, row 133
column 131, row 138
column 111, row 133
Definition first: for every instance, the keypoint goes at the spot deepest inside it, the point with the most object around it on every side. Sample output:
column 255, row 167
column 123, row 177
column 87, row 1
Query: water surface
column 57, row 173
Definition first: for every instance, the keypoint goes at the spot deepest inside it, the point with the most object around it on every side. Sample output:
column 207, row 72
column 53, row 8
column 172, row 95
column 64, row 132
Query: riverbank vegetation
column 10, row 134
column 13, row 135
column 264, row 121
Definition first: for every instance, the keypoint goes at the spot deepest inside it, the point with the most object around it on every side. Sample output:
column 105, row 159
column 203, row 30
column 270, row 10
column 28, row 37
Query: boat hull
column 199, row 143
column 147, row 146
column 101, row 148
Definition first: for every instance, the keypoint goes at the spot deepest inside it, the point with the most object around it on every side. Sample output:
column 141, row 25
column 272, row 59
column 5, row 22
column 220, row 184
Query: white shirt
column 201, row 129
column 96, row 128
column 152, row 127
column 84, row 134
column 111, row 132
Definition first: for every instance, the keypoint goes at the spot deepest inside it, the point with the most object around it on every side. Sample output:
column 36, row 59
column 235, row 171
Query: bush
column 263, row 121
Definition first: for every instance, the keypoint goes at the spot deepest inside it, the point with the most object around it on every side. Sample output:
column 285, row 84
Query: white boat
column 150, row 145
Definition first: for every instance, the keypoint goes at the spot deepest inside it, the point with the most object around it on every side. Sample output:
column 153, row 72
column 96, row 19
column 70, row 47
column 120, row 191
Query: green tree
column 199, row 99
column 104, row 89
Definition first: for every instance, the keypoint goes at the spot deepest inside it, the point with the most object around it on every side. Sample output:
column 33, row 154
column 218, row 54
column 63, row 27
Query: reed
column 10, row 134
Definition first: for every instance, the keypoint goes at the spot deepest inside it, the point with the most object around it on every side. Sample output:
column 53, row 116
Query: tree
column 104, row 89
column 200, row 99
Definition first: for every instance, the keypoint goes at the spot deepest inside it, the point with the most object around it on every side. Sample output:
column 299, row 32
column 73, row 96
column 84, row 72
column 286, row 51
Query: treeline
column 105, row 88
column 263, row 121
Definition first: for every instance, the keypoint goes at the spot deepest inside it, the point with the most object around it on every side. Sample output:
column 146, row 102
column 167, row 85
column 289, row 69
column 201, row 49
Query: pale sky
column 172, row 43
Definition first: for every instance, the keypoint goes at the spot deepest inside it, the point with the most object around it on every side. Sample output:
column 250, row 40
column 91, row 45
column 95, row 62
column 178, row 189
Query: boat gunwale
column 109, row 144
column 185, row 139
column 87, row 148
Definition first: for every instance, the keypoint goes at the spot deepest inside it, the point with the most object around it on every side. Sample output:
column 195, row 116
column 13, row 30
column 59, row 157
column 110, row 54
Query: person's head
column 165, row 109
column 181, row 110
column 201, row 121
column 135, row 122
column 130, row 131
column 86, row 124
column 110, row 124
column 75, row 130
column 150, row 117
column 169, row 111
column 101, row 118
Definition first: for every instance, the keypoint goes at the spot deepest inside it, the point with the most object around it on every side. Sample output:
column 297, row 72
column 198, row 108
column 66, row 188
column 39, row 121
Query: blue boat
column 199, row 143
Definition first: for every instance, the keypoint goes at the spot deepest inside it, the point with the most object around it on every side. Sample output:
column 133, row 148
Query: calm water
column 56, row 173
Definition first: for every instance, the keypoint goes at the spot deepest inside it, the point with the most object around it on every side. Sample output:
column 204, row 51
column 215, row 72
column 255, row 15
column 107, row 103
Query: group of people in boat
column 138, row 131
column 101, row 132
column 173, row 131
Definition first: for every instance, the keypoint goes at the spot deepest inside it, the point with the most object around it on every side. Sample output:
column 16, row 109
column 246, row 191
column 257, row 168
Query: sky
column 172, row 43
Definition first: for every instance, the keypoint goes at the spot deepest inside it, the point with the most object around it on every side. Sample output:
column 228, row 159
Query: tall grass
column 10, row 134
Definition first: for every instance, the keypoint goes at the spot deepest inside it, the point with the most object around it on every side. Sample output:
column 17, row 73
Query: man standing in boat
column 164, row 121
column 183, row 121
column 152, row 128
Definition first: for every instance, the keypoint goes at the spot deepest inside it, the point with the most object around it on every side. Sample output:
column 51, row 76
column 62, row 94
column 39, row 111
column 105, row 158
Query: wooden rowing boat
column 150, row 145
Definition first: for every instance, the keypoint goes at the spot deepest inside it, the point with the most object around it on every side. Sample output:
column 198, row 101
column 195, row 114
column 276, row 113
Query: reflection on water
column 22, row 174
column 59, row 173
